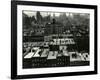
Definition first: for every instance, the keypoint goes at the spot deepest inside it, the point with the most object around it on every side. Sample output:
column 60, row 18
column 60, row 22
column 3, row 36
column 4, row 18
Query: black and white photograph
column 53, row 39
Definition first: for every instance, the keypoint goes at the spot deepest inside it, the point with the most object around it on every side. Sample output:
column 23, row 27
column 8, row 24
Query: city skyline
column 52, row 14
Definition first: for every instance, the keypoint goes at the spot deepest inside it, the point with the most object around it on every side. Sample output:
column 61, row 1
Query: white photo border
column 21, row 71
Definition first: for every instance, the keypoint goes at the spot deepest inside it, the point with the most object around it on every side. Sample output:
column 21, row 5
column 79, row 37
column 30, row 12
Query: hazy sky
column 33, row 13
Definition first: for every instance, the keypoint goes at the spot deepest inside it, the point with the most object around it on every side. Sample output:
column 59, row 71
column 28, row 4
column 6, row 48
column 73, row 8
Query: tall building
column 39, row 17
column 53, row 28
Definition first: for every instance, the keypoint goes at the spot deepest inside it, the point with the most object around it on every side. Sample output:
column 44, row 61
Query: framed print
column 53, row 39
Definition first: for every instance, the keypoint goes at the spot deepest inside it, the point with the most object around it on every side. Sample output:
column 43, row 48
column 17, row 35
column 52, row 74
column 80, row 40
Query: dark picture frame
column 14, row 39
